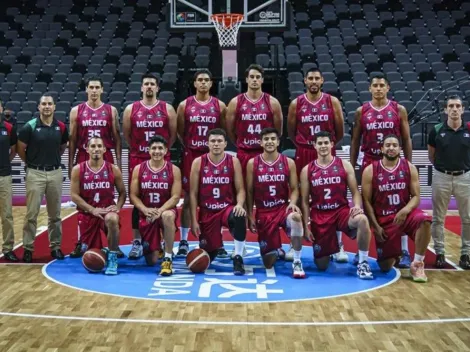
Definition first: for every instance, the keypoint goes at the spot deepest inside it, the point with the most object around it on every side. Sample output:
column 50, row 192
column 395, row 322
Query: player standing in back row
column 374, row 120
column 197, row 115
column 311, row 113
column 93, row 118
column 142, row 120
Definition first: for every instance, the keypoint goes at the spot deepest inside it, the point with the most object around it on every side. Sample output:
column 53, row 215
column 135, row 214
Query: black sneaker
column 464, row 262
column 27, row 256
column 440, row 261
column 222, row 253
column 120, row 254
column 57, row 254
column 238, row 266
column 77, row 252
column 10, row 256
column 183, row 249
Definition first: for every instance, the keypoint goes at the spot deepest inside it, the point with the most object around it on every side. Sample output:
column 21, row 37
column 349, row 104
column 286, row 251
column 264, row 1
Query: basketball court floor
column 58, row 306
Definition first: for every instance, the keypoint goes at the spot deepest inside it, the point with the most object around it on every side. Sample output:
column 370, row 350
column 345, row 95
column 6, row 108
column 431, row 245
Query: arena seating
column 53, row 45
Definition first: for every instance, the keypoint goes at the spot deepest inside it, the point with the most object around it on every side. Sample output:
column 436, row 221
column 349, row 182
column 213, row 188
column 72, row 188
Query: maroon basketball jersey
column 95, row 123
column 270, row 182
column 376, row 124
column 199, row 118
column 390, row 188
column 250, row 119
column 146, row 122
column 97, row 187
column 155, row 185
column 216, row 183
column 328, row 185
column 313, row 118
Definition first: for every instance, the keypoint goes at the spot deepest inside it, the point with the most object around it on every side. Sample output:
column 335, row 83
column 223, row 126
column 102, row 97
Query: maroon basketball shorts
column 268, row 224
column 210, row 224
column 391, row 247
column 82, row 156
column 91, row 230
column 324, row 224
column 244, row 155
column 152, row 232
column 305, row 155
column 188, row 157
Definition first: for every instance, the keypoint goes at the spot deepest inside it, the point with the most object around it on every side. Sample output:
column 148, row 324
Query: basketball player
column 271, row 180
column 310, row 113
column 92, row 189
column 142, row 120
column 391, row 192
column 373, row 121
column 90, row 119
column 216, row 186
column 247, row 115
column 197, row 115
column 155, row 192
column 324, row 182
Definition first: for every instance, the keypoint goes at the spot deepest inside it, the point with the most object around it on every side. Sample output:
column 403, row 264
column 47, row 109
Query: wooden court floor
column 39, row 315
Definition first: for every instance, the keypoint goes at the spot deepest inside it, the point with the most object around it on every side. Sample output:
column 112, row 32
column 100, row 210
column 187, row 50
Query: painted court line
column 238, row 323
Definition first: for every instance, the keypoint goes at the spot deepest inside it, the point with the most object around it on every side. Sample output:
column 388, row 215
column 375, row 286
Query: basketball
column 198, row 260
column 94, row 260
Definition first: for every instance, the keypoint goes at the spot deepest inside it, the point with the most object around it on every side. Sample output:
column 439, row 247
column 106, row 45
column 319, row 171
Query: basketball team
column 259, row 189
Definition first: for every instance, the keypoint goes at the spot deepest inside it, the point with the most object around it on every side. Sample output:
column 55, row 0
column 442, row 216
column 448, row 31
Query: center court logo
column 218, row 284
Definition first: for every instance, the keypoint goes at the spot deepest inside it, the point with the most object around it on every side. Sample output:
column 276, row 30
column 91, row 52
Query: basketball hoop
column 227, row 26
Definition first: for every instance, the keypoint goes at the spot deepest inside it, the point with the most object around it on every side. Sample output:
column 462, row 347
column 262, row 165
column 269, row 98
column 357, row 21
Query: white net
column 227, row 26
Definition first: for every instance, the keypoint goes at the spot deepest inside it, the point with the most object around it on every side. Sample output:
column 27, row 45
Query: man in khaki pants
column 449, row 152
column 8, row 140
column 41, row 142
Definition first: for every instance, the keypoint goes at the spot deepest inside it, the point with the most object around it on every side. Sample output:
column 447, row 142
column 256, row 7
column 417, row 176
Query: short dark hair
column 157, row 139
column 217, row 132
column 94, row 78
column 322, row 134
column 202, row 72
column 454, row 97
column 256, row 67
column 392, row 135
column 95, row 137
column 47, row 95
column 379, row 76
column 269, row 130
column 313, row 70
column 150, row 76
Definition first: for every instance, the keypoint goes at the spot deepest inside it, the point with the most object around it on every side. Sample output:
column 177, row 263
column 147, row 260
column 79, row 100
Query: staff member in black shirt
column 8, row 140
column 41, row 142
column 449, row 152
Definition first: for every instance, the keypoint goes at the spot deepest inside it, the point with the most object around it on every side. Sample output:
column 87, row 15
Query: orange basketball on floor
column 198, row 260
column 94, row 260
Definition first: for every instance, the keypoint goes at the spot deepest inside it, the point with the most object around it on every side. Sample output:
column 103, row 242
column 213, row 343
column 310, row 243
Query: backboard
column 195, row 14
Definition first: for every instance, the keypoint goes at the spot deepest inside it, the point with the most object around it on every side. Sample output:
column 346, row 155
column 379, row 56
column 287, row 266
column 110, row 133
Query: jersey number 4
column 254, row 128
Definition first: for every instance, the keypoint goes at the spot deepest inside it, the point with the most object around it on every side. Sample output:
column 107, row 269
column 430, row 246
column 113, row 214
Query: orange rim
column 227, row 19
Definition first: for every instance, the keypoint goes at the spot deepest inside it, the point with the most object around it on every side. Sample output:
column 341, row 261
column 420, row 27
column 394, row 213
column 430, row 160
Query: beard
column 391, row 158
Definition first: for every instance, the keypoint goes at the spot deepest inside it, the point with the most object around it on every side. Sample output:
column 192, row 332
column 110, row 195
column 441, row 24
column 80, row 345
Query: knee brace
column 135, row 219
column 237, row 226
column 294, row 228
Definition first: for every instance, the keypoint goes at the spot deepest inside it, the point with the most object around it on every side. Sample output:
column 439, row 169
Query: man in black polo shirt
column 41, row 142
column 449, row 152
column 8, row 140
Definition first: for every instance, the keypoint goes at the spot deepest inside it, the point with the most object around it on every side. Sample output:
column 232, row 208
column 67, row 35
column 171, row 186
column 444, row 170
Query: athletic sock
column 404, row 243
column 184, row 233
column 418, row 258
column 363, row 255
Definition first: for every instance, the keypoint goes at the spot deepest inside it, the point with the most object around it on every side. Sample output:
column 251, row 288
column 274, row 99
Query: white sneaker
column 289, row 255
column 244, row 254
column 364, row 272
column 297, row 270
column 341, row 256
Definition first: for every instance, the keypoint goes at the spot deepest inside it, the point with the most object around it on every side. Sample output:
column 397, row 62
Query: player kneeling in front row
column 155, row 191
column 271, row 181
column 325, row 182
column 216, row 186
column 391, row 198
column 92, row 189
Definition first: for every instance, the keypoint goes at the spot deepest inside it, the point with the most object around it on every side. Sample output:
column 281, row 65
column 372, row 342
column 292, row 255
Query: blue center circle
column 218, row 284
